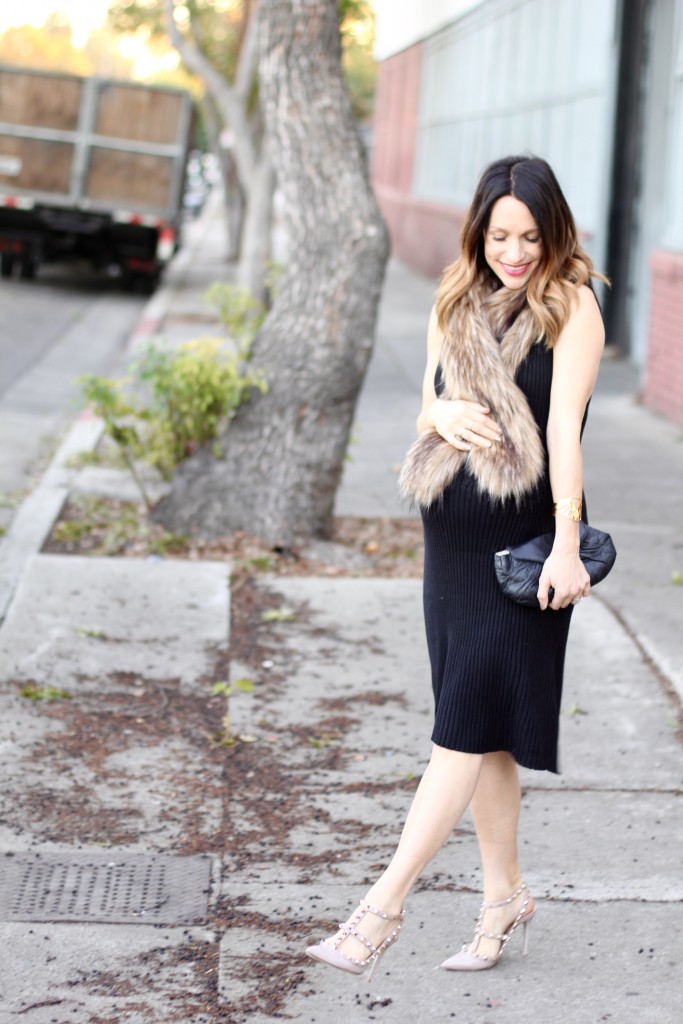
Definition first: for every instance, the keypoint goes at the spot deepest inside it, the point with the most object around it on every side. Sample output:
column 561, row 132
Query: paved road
column 54, row 328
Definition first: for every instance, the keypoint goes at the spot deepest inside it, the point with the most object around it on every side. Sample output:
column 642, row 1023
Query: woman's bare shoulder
column 584, row 302
column 584, row 310
column 584, row 326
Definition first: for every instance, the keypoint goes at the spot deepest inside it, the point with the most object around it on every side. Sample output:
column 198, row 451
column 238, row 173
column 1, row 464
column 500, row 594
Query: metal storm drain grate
column 119, row 888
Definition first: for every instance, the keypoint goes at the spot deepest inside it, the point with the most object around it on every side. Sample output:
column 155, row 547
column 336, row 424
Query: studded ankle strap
column 381, row 913
column 509, row 899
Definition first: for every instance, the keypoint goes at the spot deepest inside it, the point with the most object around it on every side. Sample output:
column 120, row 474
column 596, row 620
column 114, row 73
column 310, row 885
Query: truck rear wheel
column 6, row 264
column 149, row 284
column 142, row 284
column 27, row 271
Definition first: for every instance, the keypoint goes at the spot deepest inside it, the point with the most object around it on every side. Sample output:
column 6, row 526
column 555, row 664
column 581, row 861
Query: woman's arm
column 576, row 360
column 452, row 419
column 434, row 343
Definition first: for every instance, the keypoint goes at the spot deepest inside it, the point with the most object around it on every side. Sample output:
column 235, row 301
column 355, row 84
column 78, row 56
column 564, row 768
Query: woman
column 514, row 346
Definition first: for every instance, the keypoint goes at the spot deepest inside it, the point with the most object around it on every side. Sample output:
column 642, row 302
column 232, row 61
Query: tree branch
column 227, row 99
column 248, row 56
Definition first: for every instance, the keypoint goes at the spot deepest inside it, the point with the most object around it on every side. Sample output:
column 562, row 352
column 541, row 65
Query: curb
column 37, row 514
column 34, row 518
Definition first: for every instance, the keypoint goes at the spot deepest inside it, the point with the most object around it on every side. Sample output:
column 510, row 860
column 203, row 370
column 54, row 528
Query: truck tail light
column 166, row 244
column 145, row 220
column 17, row 202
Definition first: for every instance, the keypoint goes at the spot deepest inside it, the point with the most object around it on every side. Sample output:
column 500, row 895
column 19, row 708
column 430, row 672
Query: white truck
column 91, row 168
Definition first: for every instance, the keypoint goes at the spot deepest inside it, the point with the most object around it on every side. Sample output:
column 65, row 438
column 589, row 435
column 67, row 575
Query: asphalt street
column 66, row 322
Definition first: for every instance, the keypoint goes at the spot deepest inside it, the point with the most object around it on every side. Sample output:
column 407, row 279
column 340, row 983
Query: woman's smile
column 516, row 271
column 512, row 242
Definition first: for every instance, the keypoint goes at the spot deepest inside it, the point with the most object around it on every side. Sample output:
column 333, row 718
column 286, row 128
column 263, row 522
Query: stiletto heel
column 328, row 952
column 468, row 961
column 373, row 966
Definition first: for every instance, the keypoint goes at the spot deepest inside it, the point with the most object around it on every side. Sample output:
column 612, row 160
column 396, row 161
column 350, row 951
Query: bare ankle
column 502, row 887
column 384, row 899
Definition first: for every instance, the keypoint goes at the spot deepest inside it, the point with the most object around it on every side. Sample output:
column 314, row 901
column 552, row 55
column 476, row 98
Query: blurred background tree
column 357, row 23
column 51, row 48
column 219, row 27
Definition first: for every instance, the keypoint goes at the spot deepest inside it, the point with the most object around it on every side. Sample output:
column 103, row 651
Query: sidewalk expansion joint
column 638, row 790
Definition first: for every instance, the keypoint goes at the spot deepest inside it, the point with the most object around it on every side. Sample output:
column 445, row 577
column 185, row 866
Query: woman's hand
column 566, row 574
column 464, row 424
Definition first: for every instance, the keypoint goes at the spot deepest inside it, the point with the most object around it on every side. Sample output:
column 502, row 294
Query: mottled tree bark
column 284, row 451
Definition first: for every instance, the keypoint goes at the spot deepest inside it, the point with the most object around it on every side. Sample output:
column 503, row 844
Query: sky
column 84, row 15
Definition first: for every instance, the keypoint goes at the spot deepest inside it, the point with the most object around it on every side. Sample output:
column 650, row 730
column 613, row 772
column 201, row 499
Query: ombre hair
column 563, row 267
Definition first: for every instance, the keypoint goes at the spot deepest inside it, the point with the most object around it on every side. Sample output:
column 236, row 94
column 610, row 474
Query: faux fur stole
column 479, row 368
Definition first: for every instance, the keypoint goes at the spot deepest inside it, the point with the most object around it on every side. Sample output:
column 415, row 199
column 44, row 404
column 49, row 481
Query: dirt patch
column 186, row 730
column 272, row 978
column 358, row 546
column 79, row 815
column 372, row 699
column 152, row 974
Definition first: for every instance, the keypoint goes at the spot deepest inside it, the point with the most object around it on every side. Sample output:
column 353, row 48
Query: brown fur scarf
column 478, row 368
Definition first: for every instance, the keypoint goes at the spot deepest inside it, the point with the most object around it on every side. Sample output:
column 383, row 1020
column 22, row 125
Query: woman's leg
column 495, row 808
column 444, row 792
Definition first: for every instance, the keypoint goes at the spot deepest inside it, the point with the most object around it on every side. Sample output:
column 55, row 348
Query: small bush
column 239, row 311
column 193, row 390
column 188, row 393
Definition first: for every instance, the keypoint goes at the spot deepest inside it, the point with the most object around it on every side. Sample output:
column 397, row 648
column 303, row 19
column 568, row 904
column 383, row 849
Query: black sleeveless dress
column 497, row 666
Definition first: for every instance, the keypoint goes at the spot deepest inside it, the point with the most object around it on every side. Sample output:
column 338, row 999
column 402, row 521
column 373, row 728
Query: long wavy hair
column 564, row 265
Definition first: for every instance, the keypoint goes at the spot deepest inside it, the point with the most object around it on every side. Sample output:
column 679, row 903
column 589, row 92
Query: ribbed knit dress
column 497, row 666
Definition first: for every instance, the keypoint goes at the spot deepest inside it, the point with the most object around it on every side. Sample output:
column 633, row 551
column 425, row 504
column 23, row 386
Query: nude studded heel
column 468, row 961
column 328, row 952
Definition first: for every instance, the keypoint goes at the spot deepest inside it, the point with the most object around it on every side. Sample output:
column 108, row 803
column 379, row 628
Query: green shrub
column 193, row 390
column 239, row 311
column 176, row 400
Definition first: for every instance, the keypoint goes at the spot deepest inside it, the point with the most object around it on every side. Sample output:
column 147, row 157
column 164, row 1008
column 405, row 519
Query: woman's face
column 512, row 243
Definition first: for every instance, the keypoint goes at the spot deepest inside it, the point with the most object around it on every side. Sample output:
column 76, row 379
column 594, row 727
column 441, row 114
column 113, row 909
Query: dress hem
column 522, row 760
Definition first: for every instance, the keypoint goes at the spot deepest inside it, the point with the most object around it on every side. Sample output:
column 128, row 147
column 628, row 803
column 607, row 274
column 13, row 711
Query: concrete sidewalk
column 246, row 853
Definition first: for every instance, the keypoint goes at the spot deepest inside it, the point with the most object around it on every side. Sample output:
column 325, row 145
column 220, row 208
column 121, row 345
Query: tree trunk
column 234, row 206
column 232, row 192
column 258, row 224
column 284, row 450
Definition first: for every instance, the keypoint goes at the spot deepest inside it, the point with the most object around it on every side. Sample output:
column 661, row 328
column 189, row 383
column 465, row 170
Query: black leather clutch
column 518, row 569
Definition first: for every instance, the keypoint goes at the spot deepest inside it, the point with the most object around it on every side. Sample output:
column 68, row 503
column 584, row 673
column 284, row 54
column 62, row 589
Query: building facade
column 593, row 86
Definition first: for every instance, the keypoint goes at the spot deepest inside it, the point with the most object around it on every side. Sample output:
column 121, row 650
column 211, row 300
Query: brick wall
column 423, row 234
column 395, row 119
column 664, row 369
